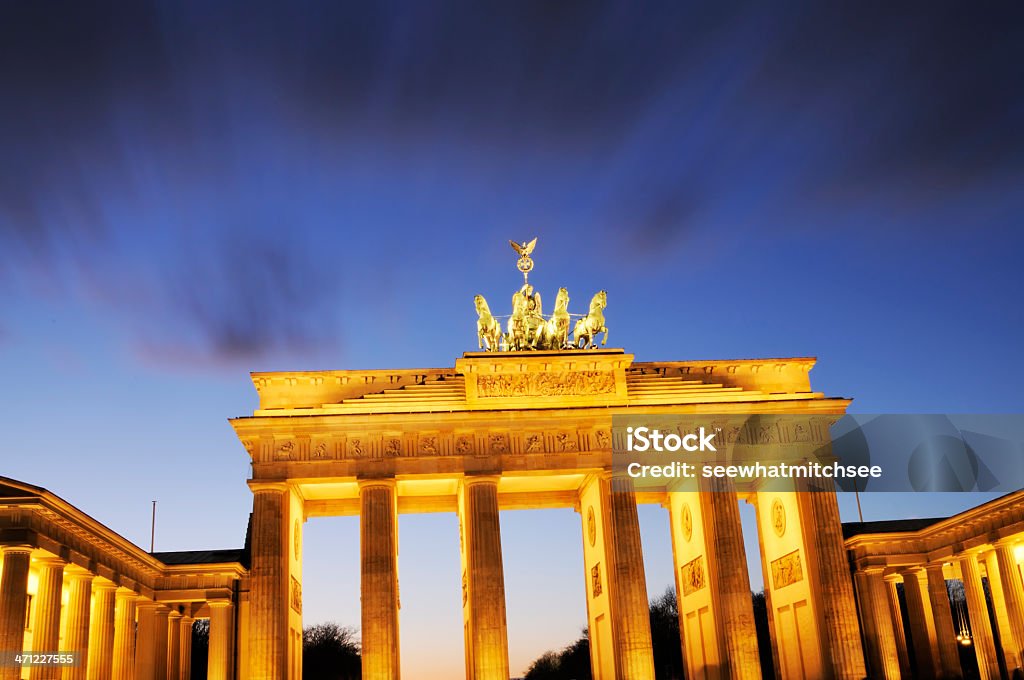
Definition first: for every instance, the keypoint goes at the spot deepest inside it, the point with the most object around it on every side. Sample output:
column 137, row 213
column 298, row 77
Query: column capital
column 101, row 584
column 77, row 573
column 872, row 570
column 174, row 614
column 892, row 577
column 266, row 487
column 219, row 602
column 150, row 604
column 1008, row 541
column 472, row 480
column 50, row 561
column 16, row 548
column 914, row 570
column 377, row 482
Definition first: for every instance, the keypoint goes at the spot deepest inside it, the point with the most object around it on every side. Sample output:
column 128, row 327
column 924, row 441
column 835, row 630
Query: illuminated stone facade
column 500, row 432
column 511, row 430
column 984, row 543
column 68, row 583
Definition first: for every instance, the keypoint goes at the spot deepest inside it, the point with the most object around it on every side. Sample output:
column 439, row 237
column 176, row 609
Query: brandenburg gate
column 531, row 420
column 527, row 423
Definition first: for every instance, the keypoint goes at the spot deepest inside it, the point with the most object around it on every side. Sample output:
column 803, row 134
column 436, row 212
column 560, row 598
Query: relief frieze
column 555, row 383
column 787, row 570
column 693, row 575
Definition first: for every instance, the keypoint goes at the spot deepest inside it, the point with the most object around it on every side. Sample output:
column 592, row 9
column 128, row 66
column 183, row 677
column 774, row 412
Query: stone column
column 101, row 631
column 891, row 581
column 13, row 603
column 123, row 660
column 841, row 632
column 46, row 624
column 76, row 627
column 724, row 544
column 981, row 628
column 631, row 618
column 878, row 624
column 269, row 597
column 185, row 649
column 948, row 659
column 1013, row 595
column 173, row 659
column 922, row 623
column 1007, row 643
column 487, row 641
column 160, row 630
column 222, row 614
column 151, row 642
column 378, row 536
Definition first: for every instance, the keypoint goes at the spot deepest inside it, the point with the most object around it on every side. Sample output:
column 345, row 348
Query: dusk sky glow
column 192, row 191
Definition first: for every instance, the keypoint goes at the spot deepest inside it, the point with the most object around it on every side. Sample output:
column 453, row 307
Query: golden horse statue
column 554, row 333
column 488, row 330
column 588, row 327
column 525, row 320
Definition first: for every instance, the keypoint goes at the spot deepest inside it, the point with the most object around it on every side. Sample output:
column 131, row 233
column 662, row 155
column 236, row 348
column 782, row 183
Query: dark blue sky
column 189, row 191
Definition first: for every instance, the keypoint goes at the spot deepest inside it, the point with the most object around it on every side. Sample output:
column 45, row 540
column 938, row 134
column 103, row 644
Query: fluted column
column 269, row 597
column 101, row 631
column 948, row 659
column 13, row 604
column 878, row 624
column 735, row 625
column 835, row 588
column 185, row 649
column 160, row 630
column 1006, row 643
column 378, row 536
column 151, row 642
column 173, row 660
column 981, row 629
column 922, row 623
column 891, row 581
column 222, row 614
column 487, row 642
column 76, row 627
column 1013, row 595
column 631, row 622
column 123, row 659
column 46, row 624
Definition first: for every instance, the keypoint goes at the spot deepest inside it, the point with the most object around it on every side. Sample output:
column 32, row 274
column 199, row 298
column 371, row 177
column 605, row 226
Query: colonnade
column 114, row 632
column 935, row 633
column 723, row 640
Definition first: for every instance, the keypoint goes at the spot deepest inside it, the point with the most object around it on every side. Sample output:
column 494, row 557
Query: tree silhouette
column 330, row 652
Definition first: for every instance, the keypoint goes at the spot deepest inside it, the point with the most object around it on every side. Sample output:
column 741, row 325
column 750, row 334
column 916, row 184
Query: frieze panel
column 550, row 384
column 464, row 445
column 392, row 446
column 285, row 450
column 429, row 446
column 787, row 570
column 693, row 575
column 498, row 443
column 296, row 595
column 567, row 441
column 533, row 442
column 321, row 449
column 356, row 447
column 360, row 446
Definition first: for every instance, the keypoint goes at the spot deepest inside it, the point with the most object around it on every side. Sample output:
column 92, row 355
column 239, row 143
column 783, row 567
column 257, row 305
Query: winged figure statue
column 525, row 248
